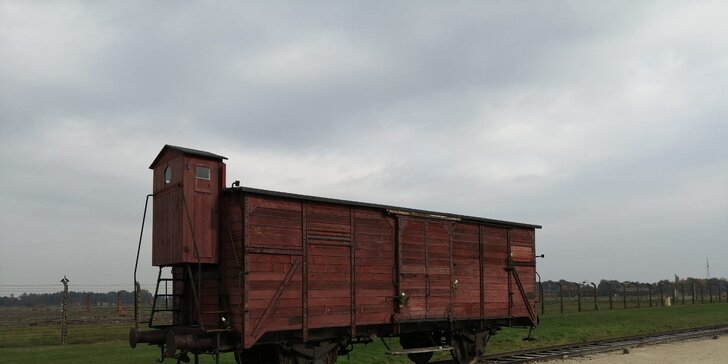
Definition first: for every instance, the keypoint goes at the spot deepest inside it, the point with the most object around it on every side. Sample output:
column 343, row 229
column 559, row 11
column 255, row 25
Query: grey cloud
column 601, row 121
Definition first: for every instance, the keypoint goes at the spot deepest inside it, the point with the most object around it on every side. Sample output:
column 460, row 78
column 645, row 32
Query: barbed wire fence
column 559, row 297
column 85, row 313
column 53, row 314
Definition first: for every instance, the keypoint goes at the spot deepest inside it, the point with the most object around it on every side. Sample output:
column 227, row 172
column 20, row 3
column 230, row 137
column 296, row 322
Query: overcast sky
column 604, row 121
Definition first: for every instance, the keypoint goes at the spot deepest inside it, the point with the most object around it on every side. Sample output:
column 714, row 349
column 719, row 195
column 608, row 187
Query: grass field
column 104, row 340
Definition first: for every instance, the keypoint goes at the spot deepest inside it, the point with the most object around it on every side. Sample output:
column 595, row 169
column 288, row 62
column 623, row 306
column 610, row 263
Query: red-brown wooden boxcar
column 279, row 277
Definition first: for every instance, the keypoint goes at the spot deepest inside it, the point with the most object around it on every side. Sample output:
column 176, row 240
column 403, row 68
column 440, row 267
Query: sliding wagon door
column 424, row 268
column 437, row 279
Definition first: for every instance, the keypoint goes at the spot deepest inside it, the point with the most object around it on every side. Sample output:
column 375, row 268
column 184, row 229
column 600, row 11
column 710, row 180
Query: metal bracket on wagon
column 401, row 299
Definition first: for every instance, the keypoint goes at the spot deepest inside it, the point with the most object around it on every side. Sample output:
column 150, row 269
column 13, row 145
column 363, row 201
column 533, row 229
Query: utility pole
column 64, row 314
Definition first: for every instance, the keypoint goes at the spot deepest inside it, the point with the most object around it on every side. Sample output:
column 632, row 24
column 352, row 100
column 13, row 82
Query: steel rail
column 602, row 346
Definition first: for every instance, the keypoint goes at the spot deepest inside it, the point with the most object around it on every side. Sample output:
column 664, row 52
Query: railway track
column 601, row 346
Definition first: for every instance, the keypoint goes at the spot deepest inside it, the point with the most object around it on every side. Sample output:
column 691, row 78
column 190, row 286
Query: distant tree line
column 551, row 288
column 74, row 298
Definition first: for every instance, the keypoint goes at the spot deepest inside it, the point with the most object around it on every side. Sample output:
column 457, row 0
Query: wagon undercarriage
column 419, row 346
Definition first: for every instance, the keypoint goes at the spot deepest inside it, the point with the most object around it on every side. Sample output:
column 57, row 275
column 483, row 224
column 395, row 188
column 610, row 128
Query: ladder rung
column 214, row 312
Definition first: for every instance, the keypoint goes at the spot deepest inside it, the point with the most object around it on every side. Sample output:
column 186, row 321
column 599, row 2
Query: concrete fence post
column 578, row 296
column 64, row 313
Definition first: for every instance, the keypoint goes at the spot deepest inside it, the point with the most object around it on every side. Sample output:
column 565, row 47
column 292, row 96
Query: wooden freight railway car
column 284, row 278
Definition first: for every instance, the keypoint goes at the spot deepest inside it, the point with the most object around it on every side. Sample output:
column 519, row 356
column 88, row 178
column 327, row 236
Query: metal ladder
column 165, row 296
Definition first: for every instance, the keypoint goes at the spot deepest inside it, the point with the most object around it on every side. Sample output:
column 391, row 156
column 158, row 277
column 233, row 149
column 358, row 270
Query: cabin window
column 203, row 172
column 168, row 174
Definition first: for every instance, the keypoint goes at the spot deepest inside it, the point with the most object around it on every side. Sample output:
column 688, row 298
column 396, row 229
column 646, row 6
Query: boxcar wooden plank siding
column 495, row 257
column 429, row 255
column 270, row 224
column 232, row 265
column 374, row 256
column 466, row 271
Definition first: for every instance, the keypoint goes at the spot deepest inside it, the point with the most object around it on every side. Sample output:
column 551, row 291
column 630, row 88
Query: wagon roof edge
column 390, row 208
column 190, row 151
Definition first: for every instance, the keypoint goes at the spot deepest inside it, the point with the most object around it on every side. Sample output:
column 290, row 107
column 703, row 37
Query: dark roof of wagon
column 393, row 209
column 188, row 151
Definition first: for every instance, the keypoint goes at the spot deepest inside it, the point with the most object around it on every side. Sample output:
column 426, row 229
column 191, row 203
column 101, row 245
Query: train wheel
column 417, row 340
column 321, row 353
column 468, row 347
column 463, row 352
column 263, row 354
column 420, row 358
column 286, row 357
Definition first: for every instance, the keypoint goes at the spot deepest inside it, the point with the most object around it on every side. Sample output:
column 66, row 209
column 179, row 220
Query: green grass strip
column 106, row 343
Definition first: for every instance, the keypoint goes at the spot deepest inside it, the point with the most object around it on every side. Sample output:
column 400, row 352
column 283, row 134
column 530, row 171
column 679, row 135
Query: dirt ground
column 693, row 351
